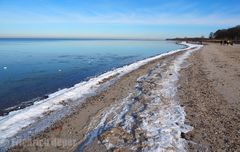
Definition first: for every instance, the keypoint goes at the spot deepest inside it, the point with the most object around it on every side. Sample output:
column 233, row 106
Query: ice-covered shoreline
column 152, row 112
column 15, row 121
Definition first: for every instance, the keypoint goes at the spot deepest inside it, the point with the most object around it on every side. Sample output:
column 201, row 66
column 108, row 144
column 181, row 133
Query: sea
column 31, row 69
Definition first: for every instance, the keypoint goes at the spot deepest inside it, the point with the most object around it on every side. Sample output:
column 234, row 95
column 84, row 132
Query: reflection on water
column 33, row 68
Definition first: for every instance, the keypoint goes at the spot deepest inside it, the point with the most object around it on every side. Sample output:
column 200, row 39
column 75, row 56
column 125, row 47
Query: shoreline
column 135, row 66
column 203, row 105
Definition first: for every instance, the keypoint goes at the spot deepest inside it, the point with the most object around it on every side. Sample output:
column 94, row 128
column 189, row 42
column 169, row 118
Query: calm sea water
column 31, row 68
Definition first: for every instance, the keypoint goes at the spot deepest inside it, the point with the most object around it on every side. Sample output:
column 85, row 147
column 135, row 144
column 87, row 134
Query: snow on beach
column 149, row 119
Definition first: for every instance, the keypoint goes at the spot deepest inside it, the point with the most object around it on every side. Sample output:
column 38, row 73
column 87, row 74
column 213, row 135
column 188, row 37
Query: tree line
column 230, row 34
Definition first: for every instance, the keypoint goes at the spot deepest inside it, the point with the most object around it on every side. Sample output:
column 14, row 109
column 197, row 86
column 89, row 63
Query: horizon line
column 81, row 38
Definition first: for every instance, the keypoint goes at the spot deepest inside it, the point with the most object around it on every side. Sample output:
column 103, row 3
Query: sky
column 116, row 18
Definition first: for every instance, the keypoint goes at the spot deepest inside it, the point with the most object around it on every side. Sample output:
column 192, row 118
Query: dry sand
column 208, row 89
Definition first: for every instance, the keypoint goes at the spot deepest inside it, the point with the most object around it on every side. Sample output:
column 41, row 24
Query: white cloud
column 183, row 14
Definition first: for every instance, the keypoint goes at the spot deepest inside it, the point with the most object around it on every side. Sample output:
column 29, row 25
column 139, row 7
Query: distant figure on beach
column 226, row 42
column 221, row 42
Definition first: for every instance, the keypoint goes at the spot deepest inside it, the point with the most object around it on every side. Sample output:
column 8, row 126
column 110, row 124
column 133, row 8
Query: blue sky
column 116, row 19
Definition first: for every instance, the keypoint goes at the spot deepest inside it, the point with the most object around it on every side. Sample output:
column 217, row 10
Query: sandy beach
column 207, row 89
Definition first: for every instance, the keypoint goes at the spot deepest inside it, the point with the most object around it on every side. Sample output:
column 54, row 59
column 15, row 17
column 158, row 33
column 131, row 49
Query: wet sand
column 209, row 89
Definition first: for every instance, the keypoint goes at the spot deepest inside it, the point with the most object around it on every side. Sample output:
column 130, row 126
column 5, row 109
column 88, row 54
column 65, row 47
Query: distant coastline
column 232, row 34
column 207, row 40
